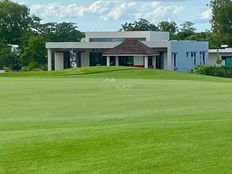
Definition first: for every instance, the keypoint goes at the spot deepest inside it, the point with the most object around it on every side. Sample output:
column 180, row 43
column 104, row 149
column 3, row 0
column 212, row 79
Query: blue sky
column 108, row 15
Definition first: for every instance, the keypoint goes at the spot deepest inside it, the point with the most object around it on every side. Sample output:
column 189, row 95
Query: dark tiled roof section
column 131, row 47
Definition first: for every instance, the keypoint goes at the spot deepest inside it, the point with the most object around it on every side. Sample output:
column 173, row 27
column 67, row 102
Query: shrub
column 36, row 69
column 215, row 71
column 44, row 67
column 25, row 68
column 32, row 65
column 6, row 69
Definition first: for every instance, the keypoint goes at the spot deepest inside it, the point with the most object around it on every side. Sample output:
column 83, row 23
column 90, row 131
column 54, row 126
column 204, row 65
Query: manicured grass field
column 115, row 121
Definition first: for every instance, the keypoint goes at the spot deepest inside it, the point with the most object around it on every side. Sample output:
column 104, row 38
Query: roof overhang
column 221, row 51
column 98, row 45
column 81, row 45
column 125, row 55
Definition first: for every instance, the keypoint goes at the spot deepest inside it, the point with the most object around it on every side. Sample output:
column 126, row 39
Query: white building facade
column 172, row 55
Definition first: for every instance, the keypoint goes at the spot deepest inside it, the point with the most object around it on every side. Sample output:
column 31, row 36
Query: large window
column 123, row 61
column 67, row 60
column 202, row 57
column 194, row 56
column 96, row 58
column 174, row 56
column 160, row 61
column 111, row 39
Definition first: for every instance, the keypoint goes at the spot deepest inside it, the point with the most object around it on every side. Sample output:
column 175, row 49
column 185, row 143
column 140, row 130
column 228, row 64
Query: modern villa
column 139, row 49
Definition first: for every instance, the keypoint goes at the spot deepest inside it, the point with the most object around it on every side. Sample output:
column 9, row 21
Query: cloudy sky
column 108, row 15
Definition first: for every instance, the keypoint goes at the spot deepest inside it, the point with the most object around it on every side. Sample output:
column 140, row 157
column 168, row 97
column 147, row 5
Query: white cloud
column 206, row 14
column 156, row 11
column 117, row 11
column 69, row 10
column 108, row 9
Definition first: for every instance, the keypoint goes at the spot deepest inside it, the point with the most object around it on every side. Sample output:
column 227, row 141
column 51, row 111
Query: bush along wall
column 215, row 71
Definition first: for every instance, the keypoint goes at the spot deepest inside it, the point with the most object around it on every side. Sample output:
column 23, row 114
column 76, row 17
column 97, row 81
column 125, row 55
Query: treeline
column 185, row 31
column 19, row 27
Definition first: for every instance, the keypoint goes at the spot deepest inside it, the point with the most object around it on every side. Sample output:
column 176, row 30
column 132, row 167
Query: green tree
column 139, row 25
column 15, row 20
column 167, row 26
column 35, row 52
column 67, row 32
column 8, row 58
column 60, row 32
column 185, row 30
column 218, row 58
column 222, row 20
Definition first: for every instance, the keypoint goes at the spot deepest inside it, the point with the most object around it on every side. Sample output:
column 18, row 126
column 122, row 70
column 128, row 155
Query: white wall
column 213, row 58
column 149, row 35
column 185, row 63
column 49, row 59
column 158, row 36
column 59, row 61
column 85, row 59
column 138, row 60
column 165, row 57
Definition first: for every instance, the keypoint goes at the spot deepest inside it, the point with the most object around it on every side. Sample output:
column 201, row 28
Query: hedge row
column 215, row 71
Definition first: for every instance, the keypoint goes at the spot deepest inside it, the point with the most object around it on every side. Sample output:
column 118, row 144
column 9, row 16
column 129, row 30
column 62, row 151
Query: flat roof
column 99, row 45
column 227, row 50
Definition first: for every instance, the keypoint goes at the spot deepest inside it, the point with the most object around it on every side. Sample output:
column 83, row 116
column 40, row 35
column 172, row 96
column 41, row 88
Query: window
column 202, row 57
column 194, row 56
column 96, row 58
column 187, row 54
column 111, row 39
column 174, row 56
column 195, row 61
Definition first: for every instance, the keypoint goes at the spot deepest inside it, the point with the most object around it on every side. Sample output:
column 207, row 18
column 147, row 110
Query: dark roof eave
column 130, row 54
column 131, row 47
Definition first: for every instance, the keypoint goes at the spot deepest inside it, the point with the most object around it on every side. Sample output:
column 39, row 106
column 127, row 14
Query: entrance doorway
column 160, row 61
column 96, row 58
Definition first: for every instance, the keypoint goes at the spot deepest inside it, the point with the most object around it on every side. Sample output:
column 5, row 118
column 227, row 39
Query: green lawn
column 115, row 121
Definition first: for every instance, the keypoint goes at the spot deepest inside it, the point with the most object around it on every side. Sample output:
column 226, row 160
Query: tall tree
column 35, row 52
column 185, row 30
column 60, row 32
column 222, row 20
column 139, row 25
column 170, row 27
column 67, row 32
column 15, row 20
column 8, row 58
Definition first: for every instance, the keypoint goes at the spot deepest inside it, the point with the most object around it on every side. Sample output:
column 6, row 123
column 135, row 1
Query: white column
column 49, row 60
column 169, row 58
column 59, row 61
column 108, row 61
column 154, row 62
column 117, row 61
column 85, row 59
column 146, row 62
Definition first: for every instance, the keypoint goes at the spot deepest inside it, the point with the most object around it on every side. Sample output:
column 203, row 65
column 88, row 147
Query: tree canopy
column 170, row 27
column 139, row 25
column 222, row 20
column 15, row 20
column 18, row 27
